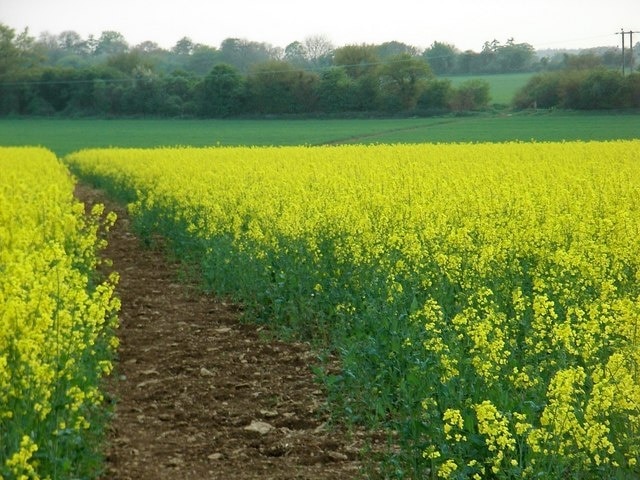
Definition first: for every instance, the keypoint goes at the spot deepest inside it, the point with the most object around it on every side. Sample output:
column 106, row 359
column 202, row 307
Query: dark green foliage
column 404, row 79
column 222, row 91
column 441, row 57
column 335, row 91
column 579, row 89
column 436, row 95
column 66, row 75
column 470, row 95
column 278, row 87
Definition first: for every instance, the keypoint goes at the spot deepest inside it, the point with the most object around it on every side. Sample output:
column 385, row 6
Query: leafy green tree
column 111, row 43
column 145, row 97
column 72, row 43
column 388, row 50
column 470, row 95
column 514, row 57
column 184, row 46
column 277, row 87
column 335, row 91
column 222, row 92
column 179, row 91
column 129, row 62
column 243, row 54
column 602, row 89
column 541, row 91
column 582, row 61
column 28, row 52
column 357, row 60
column 66, row 49
column 202, row 59
column 148, row 47
column 632, row 90
column 296, row 54
column 441, row 57
column 9, row 55
column 436, row 95
column 362, row 65
column 405, row 79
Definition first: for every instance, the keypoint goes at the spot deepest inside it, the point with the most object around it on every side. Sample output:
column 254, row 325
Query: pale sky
column 467, row 24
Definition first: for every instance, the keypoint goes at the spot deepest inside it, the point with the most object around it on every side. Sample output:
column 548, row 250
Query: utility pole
column 631, row 50
column 630, row 33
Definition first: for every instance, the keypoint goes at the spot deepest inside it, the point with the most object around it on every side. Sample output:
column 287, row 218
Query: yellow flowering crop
column 485, row 298
column 56, row 318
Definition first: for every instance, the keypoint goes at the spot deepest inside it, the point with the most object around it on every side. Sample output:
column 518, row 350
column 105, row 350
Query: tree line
column 65, row 74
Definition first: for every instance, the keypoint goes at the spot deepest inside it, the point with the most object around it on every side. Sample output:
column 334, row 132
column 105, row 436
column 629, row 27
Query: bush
column 580, row 89
column 470, row 95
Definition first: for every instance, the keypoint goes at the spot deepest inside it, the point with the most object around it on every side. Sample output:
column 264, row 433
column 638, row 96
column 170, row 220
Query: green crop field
column 65, row 136
column 503, row 86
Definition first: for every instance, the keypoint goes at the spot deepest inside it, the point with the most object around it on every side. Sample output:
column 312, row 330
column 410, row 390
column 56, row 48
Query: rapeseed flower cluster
column 56, row 320
column 485, row 298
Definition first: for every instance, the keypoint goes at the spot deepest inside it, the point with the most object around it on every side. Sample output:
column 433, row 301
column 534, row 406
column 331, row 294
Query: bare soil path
column 200, row 395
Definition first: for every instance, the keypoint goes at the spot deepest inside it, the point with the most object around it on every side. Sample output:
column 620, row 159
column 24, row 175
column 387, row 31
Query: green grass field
column 503, row 87
column 65, row 136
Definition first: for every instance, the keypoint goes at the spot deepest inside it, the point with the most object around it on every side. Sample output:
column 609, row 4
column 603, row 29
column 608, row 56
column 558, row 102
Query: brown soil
column 201, row 395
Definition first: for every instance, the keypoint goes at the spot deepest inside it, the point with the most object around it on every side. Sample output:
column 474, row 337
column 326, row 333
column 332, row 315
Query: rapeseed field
column 56, row 321
column 484, row 299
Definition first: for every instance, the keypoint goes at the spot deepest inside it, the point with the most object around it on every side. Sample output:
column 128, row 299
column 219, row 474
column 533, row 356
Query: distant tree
column 632, row 90
column 28, row 51
column 365, row 93
column 584, row 61
column 111, row 43
column 602, row 89
column 468, row 62
column 242, row 54
column 147, row 47
column 129, row 62
column 487, row 59
column 222, row 92
column 92, row 44
column 436, row 95
column 388, row 50
column 17, row 52
column 145, row 97
column 318, row 50
column 405, row 79
column 611, row 58
column 179, row 93
column 277, row 87
column 57, row 87
column 335, row 91
column 541, row 91
column 72, row 43
column 470, row 95
column 296, row 54
column 441, row 57
column 202, row 59
column 184, row 46
column 363, row 66
column 49, row 42
column 514, row 57
column 357, row 60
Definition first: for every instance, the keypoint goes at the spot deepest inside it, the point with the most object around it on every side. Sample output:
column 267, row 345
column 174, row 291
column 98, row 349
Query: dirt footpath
column 202, row 396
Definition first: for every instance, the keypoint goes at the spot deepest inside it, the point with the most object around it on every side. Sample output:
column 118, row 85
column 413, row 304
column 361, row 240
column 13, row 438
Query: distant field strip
column 372, row 136
column 484, row 299
column 64, row 136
